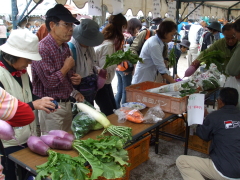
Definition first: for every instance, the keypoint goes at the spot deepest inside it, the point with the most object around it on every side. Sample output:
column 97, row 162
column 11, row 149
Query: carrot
column 133, row 115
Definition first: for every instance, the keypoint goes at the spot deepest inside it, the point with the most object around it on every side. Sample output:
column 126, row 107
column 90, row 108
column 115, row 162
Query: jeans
column 123, row 82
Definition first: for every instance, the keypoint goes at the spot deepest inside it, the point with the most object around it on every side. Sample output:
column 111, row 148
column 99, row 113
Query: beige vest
column 23, row 94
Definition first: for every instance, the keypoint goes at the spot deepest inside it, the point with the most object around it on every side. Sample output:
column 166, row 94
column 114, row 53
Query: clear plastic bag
column 130, row 114
column 153, row 115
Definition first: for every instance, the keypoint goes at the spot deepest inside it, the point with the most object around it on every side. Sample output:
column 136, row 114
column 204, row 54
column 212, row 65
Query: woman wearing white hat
column 3, row 32
column 17, row 53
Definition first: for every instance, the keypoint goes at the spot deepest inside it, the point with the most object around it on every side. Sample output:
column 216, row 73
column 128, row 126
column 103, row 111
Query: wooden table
column 29, row 160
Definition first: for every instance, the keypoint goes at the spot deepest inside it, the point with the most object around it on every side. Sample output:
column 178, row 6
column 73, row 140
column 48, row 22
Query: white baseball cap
column 22, row 43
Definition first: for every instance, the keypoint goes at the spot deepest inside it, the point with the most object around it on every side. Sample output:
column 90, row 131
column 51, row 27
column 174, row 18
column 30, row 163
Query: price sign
column 172, row 9
column 117, row 6
column 156, row 8
column 94, row 7
column 195, row 109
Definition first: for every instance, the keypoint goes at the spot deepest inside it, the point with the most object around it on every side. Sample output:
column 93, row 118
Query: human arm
column 233, row 68
column 205, row 130
column 77, row 95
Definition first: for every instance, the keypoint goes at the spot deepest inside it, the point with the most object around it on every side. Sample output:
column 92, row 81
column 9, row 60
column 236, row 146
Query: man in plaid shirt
column 53, row 75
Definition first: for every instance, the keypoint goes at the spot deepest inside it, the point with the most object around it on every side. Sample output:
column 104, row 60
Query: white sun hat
column 22, row 43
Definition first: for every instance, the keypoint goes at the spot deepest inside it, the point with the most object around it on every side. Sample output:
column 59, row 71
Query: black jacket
column 223, row 128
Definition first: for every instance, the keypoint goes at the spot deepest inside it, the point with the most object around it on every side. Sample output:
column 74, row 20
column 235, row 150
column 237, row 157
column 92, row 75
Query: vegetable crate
column 176, row 127
column 138, row 152
column 137, row 93
column 197, row 144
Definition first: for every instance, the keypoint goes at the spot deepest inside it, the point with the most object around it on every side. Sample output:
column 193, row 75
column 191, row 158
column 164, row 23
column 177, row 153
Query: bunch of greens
column 210, row 83
column 172, row 57
column 105, row 155
column 119, row 56
column 188, row 88
column 216, row 57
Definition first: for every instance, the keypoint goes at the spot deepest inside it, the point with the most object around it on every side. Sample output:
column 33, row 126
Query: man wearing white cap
column 53, row 76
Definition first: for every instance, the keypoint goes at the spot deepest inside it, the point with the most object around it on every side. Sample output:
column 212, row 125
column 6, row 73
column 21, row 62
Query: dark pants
column 123, row 82
column 10, row 170
column 105, row 99
column 2, row 41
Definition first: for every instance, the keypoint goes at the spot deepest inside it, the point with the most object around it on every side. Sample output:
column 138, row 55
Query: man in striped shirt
column 53, row 76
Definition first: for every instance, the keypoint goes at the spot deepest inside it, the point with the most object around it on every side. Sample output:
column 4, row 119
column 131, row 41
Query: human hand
column 76, row 79
column 44, row 104
column 69, row 63
column 79, row 97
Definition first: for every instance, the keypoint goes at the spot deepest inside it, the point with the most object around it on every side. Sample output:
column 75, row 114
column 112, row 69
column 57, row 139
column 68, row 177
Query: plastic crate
column 176, row 127
column 137, row 93
column 197, row 144
column 138, row 152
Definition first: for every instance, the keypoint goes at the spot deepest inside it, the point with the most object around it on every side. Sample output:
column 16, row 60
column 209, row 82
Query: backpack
column 148, row 35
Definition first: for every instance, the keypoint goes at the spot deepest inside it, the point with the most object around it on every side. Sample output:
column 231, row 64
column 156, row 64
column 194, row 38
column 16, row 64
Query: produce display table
column 29, row 160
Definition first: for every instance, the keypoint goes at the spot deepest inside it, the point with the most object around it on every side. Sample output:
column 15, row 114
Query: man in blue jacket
column 222, row 127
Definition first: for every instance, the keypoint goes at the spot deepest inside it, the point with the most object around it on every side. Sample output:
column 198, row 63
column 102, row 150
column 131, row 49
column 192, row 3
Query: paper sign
column 94, row 7
column 172, row 9
column 197, row 13
column 117, row 6
column 156, row 8
column 195, row 109
column 190, row 9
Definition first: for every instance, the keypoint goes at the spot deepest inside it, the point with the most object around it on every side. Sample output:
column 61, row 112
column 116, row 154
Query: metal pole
column 192, row 11
column 20, row 18
column 14, row 13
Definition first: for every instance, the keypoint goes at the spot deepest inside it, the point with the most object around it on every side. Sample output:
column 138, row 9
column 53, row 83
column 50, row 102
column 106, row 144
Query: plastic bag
column 153, row 115
column 130, row 114
column 82, row 123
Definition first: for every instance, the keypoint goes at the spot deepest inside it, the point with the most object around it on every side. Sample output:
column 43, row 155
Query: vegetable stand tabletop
column 29, row 160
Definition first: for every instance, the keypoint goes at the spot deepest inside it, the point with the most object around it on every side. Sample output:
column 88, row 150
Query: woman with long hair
column 113, row 41
column 125, row 77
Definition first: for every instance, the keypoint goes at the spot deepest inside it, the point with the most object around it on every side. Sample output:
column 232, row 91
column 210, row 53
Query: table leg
column 157, row 140
column 186, row 139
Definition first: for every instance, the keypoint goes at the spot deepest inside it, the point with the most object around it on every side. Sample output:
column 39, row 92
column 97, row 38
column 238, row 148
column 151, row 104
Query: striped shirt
column 48, row 80
column 8, row 105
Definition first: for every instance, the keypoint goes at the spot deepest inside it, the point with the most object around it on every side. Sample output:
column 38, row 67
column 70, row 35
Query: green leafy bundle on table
column 217, row 57
column 172, row 57
column 106, row 157
column 188, row 88
column 119, row 56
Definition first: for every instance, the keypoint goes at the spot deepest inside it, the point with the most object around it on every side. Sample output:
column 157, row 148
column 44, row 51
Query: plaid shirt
column 47, row 77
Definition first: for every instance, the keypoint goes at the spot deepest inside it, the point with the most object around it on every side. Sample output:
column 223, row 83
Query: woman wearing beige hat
column 17, row 53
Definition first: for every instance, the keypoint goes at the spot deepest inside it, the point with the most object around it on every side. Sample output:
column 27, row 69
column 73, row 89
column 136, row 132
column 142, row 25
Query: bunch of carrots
column 132, row 115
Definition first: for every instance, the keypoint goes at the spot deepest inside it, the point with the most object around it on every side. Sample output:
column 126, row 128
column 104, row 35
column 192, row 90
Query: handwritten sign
column 117, row 6
column 197, row 13
column 190, row 9
column 172, row 9
column 195, row 109
column 94, row 7
column 156, row 8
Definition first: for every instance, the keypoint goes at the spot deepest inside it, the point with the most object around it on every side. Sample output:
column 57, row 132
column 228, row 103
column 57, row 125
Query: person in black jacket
column 222, row 128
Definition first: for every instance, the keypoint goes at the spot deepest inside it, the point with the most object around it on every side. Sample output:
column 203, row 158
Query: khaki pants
column 194, row 168
column 192, row 55
column 59, row 120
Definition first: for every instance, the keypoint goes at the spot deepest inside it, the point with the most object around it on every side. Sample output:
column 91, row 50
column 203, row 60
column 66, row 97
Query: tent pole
column 192, row 11
column 14, row 13
column 20, row 18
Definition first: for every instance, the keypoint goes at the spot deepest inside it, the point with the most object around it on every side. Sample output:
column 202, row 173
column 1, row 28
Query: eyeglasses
column 67, row 25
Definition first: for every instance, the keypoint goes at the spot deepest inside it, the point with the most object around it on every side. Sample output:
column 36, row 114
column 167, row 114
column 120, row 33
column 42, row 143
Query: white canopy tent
column 210, row 7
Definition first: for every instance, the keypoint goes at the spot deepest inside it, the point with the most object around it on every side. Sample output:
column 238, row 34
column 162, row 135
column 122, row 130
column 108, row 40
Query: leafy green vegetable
column 119, row 56
column 188, row 88
column 62, row 167
column 172, row 57
column 82, row 123
column 97, row 126
column 210, row 83
column 216, row 57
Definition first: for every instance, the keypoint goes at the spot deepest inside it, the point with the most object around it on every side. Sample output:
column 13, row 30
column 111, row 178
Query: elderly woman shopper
column 125, row 77
column 113, row 41
column 151, row 54
column 15, row 57
column 85, row 37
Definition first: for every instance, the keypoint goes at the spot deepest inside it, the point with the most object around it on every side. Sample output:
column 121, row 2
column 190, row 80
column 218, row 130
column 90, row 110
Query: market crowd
column 66, row 57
